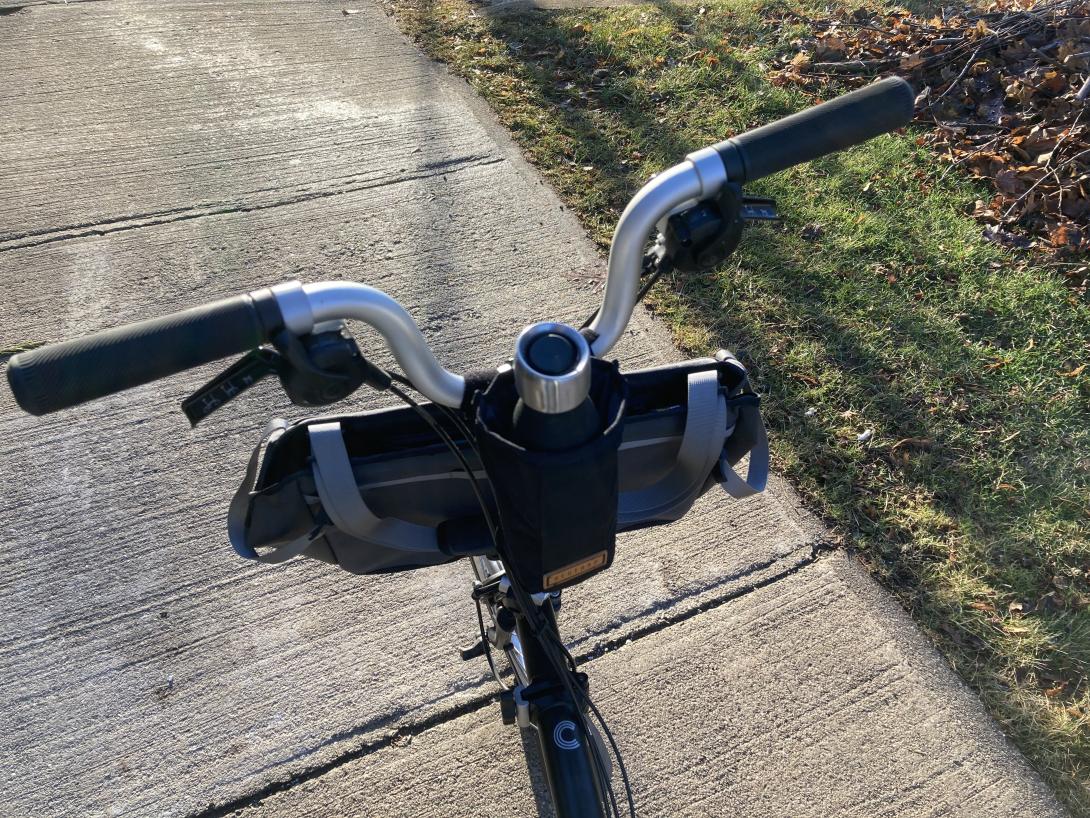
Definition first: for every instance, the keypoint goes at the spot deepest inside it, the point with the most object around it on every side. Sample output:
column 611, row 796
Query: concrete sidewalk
column 157, row 156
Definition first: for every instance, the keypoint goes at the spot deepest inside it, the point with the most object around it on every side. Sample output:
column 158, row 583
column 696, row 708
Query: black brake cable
column 605, row 727
column 449, row 414
column 488, row 649
column 654, row 267
column 565, row 654
column 445, row 437
column 492, row 529
column 565, row 670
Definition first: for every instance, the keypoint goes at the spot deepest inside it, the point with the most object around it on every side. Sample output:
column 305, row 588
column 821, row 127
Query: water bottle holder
column 557, row 510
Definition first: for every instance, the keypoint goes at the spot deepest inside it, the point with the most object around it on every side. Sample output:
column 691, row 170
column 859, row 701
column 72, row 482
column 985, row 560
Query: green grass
column 970, row 501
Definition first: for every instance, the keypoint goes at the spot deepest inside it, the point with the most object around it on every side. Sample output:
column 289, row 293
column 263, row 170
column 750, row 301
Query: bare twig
column 1035, row 185
column 1084, row 92
column 969, row 156
column 1059, row 144
column 954, row 124
column 959, row 77
column 854, row 66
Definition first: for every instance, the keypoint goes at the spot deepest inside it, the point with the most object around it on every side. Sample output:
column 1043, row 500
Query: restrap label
column 576, row 569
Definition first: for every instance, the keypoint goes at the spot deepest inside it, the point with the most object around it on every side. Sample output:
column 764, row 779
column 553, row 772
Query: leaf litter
column 1002, row 92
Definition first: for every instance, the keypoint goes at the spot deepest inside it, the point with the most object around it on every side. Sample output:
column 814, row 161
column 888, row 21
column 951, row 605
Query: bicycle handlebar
column 832, row 126
column 841, row 123
column 69, row 373
column 63, row 375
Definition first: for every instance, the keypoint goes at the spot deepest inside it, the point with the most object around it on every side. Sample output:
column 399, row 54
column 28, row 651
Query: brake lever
column 704, row 235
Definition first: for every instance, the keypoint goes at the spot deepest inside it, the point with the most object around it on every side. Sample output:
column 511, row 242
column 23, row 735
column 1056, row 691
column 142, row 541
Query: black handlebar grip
column 832, row 126
column 69, row 373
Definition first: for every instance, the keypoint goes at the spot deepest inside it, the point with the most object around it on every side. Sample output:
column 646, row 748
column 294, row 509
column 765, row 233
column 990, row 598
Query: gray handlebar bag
column 378, row 491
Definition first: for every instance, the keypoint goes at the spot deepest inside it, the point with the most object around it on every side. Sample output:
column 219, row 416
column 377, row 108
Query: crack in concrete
column 701, row 590
column 816, row 550
column 12, row 9
column 137, row 221
column 413, row 729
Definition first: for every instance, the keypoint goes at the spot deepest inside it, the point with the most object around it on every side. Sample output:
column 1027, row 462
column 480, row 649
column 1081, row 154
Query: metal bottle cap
column 552, row 368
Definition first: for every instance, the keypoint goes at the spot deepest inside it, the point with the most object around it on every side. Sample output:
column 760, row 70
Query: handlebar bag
column 557, row 509
column 377, row 491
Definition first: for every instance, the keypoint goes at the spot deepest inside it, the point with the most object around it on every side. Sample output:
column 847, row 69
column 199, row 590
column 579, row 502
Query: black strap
column 477, row 381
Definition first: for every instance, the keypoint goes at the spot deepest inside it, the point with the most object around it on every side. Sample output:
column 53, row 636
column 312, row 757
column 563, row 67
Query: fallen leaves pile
column 999, row 90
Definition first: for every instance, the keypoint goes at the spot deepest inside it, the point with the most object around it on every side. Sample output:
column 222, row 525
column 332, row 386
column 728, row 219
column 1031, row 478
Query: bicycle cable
column 445, row 438
column 565, row 670
column 488, row 648
column 605, row 727
column 565, row 654
column 453, row 446
column 566, row 673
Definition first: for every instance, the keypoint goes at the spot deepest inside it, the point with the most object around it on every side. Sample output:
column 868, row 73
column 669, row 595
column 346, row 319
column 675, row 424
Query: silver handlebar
column 303, row 306
column 700, row 176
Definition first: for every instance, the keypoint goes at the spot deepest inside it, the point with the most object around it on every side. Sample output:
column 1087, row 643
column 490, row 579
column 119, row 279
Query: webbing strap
column 285, row 551
column 705, row 433
column 336, row 484
column 240, row 504
column 749, row 417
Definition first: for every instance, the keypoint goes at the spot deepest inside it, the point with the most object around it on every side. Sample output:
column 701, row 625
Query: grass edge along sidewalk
column 926, row 391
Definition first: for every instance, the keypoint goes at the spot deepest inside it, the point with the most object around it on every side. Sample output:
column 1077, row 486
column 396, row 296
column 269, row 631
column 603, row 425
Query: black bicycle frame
column 567, row 752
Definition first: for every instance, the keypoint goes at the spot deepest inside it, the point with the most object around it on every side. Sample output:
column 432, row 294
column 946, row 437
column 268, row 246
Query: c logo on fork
column 565, row 736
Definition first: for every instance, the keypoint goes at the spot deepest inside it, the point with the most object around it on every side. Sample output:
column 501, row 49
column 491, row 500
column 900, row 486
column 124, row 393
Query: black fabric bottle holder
column 558, row 510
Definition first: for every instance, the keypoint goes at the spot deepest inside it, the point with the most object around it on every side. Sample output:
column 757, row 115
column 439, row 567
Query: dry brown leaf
column 1060, row 237
column 831, row 47
column 1053, row 83
column 1009, row 181
column 924, row 443
column 1017, row 91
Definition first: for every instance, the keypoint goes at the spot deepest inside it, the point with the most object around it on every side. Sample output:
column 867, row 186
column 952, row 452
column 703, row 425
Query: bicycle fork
column 568, row 753
column 540, row 700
